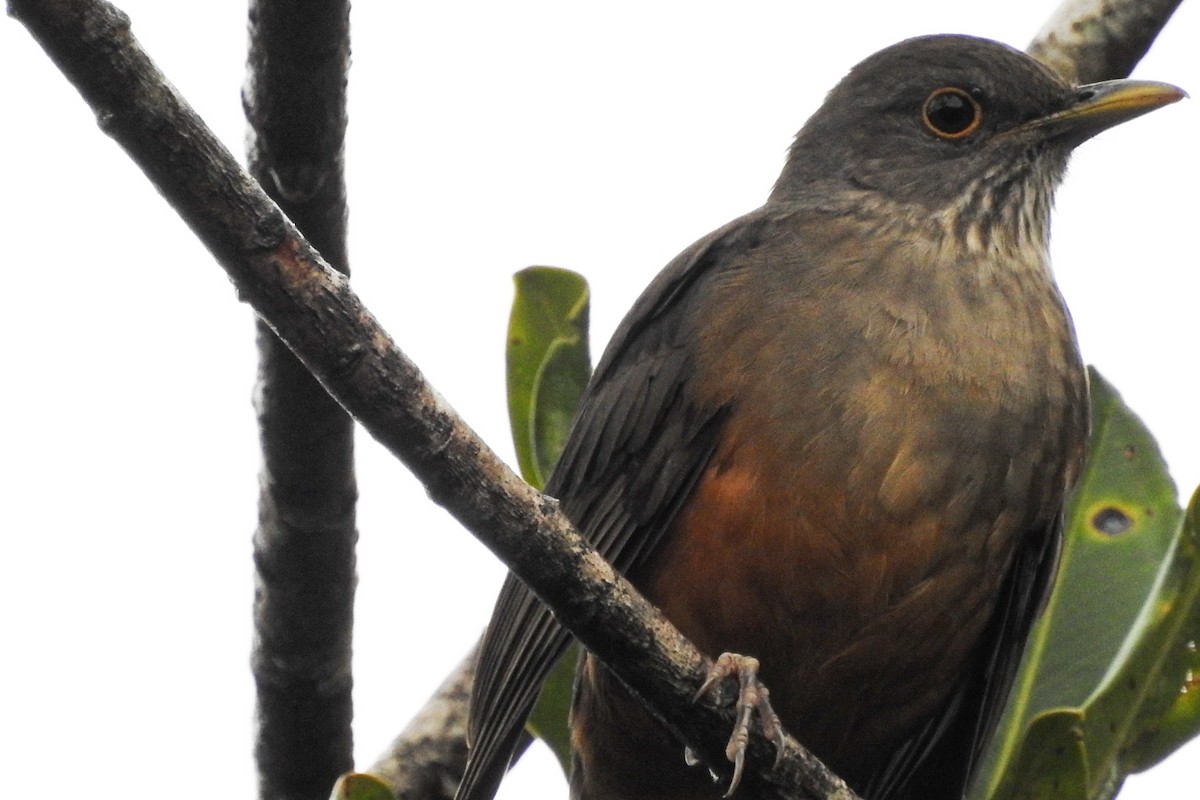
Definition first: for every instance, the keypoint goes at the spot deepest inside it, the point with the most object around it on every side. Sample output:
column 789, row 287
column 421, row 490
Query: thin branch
column 311, row 307
column 426, row 761
column 1098, row 40
column 304, row 548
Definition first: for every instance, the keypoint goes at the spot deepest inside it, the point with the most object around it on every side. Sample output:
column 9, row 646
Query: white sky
column 484, row 138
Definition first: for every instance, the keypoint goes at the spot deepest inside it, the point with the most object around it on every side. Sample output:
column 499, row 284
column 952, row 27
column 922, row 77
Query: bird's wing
column 633, row 456
column 939, row 760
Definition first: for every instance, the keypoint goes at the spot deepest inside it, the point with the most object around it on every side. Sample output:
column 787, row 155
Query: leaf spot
column 1111, row 521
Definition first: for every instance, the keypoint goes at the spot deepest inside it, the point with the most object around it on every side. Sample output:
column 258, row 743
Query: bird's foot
column 752, row 695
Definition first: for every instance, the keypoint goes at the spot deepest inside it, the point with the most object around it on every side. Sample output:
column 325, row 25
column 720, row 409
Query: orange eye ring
column 951, row 113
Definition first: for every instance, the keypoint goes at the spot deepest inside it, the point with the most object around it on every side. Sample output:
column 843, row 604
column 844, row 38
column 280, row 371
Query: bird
column 834, row 438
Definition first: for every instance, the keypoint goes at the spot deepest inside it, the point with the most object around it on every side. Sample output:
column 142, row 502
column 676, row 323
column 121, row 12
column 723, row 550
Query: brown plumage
column 836, row 435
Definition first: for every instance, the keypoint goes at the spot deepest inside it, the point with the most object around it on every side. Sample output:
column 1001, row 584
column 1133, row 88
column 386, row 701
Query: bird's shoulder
column 768, row 236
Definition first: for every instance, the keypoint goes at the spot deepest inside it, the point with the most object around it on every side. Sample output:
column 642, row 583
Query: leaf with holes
column 1162, row 668
column 1122, row 524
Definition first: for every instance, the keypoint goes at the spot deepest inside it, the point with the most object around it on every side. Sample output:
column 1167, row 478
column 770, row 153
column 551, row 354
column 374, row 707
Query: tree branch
column 426, row 761
column 304, row 548
column 311, row 307
column 1098, row 40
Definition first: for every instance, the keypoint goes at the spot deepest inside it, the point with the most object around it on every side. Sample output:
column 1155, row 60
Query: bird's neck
column 1004, row 214
column 1000, row 217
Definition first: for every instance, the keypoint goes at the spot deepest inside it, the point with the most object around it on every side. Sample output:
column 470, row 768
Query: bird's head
column 956, row 124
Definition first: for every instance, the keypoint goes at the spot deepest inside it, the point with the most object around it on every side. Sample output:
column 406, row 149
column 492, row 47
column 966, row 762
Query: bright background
column 484, row 137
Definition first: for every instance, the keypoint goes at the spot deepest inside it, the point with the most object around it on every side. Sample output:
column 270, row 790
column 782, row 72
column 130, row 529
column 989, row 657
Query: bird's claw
column 752, row 696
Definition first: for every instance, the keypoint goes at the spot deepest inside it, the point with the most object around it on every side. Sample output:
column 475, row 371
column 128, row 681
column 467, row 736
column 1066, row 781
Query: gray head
column 954, row 122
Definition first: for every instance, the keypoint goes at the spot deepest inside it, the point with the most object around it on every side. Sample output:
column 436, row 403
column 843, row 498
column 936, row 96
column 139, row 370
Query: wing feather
column 635, row 452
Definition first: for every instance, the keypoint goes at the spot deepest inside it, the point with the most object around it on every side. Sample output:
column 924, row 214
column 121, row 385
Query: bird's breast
column 886, row 447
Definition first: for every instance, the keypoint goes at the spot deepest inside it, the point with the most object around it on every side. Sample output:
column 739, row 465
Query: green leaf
column 1122, row 524
column 548, row 364
column 548, row 369
column 1162, row 667
column 1133, row 719
column 360, row 786
column 1053, row 762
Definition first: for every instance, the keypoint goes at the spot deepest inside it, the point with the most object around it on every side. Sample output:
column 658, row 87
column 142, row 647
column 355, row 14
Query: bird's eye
column 951, row 113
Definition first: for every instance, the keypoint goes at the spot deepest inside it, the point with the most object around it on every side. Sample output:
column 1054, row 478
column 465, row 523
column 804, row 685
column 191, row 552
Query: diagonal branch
column 311, row 307
column 426, row 761
column 304, row 548
column 1098, row 40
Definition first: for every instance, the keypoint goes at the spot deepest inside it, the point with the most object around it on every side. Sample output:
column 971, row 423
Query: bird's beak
column 1100, row 106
